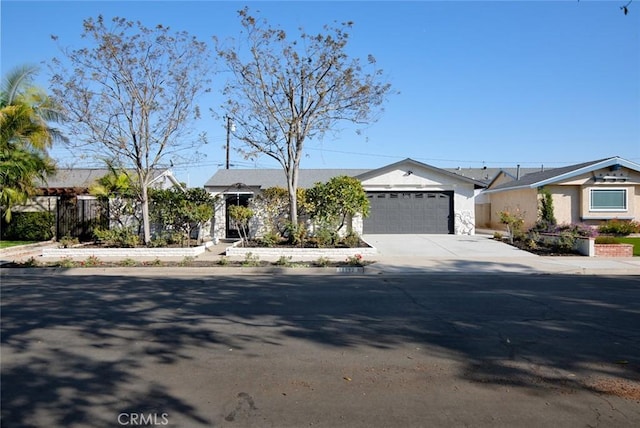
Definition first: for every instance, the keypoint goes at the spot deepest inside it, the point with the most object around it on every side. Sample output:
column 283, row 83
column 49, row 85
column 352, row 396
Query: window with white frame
column 608, row 200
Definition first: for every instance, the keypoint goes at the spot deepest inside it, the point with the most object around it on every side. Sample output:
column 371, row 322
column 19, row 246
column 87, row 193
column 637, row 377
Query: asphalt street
column 438, row 350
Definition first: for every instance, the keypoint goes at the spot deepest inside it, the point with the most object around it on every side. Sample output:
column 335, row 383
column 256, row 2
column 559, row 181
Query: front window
column 608, row 200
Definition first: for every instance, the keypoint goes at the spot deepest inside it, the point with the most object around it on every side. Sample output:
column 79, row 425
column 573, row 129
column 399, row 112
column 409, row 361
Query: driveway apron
column 443, row 246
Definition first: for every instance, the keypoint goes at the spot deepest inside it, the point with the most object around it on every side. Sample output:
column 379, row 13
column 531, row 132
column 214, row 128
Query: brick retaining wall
column 614, row 250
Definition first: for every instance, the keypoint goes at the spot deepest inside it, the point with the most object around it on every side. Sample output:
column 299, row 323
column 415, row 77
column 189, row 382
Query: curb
column 181, row 271
column 23, row 249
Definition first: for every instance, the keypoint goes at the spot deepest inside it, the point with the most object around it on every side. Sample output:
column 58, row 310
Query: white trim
column 570, row 174
column 610, row 210
column 593, row 167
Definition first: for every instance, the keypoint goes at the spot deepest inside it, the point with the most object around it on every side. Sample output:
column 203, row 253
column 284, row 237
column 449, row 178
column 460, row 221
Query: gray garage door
column 410, row 212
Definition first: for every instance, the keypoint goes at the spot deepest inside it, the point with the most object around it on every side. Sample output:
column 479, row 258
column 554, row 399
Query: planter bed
column 299, row 253
column 83, row 252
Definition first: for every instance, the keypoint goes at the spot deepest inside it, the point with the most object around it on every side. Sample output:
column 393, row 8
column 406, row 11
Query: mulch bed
column 187, row 263
column 544, row 251
column 306, row 244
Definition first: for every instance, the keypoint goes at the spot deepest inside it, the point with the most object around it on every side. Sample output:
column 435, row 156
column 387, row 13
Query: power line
column 482, row 162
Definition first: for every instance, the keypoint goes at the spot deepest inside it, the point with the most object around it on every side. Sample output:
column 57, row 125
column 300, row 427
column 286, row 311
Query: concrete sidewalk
column 527, row 265
column 433, row 254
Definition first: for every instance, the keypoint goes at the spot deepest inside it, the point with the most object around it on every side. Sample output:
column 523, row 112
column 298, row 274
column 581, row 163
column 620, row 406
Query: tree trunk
column 292, row 186
column 145, row 215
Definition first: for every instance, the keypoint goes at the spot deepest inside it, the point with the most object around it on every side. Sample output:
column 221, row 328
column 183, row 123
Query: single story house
column 589, row 192
column 406, row 196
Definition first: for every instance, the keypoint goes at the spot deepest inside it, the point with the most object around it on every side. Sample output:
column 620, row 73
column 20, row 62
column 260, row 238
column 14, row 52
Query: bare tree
column 284, row 92
column 130, row 96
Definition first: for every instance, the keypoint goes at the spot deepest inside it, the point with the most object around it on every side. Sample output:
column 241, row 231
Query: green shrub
column 295, row 233
column 546, row 212
column 127, row 262
column 325, row 235
column 566, row 241
column 158, row 242
column 619, row 227
column 123, row 237
column 270, row 239
column 67, row 262
column 323, row 262
column 351, row 240
column 186, row 261
column 68, row 242
column 29, row 226
column 514, row 221
column 283, row 261
column 251, row 260
column 607, row 240
column 91, row 261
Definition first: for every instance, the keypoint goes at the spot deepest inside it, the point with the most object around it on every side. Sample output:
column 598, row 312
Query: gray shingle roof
column 308, row 177
column 266, row 178
column 78, row 177
column 486, row 175
column 537, row 179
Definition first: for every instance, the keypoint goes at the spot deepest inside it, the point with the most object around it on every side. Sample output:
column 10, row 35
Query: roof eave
column 504, row 189
column 589, row 168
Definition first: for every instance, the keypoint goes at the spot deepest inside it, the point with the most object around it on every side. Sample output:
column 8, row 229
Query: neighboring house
column 488, row 176
column 406, row 196
column 66, row 194
column 589, row 192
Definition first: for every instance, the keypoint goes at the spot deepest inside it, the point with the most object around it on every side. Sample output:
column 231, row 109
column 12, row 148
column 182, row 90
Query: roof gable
column 409, row 165
column 542, row 178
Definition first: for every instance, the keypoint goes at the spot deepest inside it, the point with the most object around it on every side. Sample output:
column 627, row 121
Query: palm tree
column 25, row 136
column 117, row 192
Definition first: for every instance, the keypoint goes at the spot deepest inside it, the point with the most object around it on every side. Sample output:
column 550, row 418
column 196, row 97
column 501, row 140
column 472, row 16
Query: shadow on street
column 74, row 347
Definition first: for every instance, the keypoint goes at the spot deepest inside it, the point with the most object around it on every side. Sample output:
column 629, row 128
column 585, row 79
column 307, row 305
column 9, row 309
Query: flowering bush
column 91, row 261
column 355, row 260
column 619, row 227
column 580, row 230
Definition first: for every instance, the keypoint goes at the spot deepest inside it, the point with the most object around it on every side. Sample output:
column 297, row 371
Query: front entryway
column 234, row 199
column 410, row 212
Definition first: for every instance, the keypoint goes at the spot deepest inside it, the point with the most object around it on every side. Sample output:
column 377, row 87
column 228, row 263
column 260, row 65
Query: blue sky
column 481, row 83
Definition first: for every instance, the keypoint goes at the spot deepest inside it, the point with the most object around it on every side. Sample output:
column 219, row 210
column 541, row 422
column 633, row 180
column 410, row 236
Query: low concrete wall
column 584, row 246
column 80, row 252
column 306, row 254
column 614, row 250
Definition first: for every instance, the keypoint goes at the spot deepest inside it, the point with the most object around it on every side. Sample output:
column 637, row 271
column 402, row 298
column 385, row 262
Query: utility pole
column 228, row 138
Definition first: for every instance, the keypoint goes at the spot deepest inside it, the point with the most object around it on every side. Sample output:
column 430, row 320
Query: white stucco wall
column 404, row 176
column 412, row 178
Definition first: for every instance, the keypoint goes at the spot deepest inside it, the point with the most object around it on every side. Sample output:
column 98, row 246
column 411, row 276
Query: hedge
column 29, row 226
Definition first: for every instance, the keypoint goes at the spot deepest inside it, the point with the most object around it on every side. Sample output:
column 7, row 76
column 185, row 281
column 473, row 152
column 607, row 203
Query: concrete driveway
column 443, row 246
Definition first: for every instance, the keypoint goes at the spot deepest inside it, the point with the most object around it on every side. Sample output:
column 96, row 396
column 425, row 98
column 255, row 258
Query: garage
column 410, row 212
